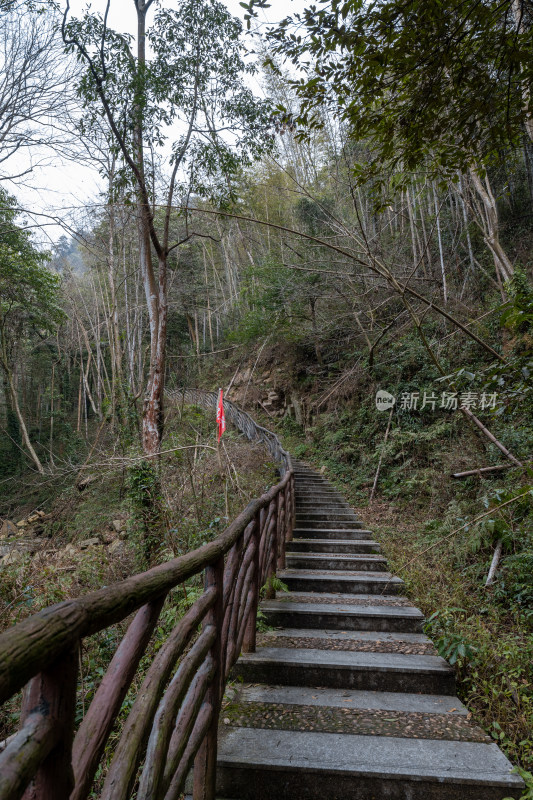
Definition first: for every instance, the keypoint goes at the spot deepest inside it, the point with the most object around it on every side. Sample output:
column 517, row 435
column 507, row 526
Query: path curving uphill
column 345, row 698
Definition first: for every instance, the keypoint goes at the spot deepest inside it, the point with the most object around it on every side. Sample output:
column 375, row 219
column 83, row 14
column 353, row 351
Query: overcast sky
column 61, row 187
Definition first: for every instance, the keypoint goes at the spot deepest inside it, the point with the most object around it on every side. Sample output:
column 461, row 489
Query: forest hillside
column 331, row 219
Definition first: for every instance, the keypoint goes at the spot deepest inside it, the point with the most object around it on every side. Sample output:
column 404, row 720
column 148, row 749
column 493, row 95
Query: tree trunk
column 152, row 427
column 441, row 254
column 23, row 430
column 490, row 226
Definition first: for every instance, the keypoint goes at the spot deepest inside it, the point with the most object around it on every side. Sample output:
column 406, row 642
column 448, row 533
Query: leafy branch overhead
column 429, row 84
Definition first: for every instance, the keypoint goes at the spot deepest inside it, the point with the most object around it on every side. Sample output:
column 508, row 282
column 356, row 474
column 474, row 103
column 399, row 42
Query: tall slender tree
column 184, row 73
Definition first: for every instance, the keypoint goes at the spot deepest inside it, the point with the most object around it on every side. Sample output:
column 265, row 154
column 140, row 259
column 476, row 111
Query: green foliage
column 513, row 380
column 144, row 491
column 527, row 777
column 274, row 584
column 440, row 626
column 425, row 82
column 193, row 81
column 29, row 292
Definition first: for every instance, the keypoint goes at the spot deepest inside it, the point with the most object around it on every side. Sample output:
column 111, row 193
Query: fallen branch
column 490, row 436
column 462, row 527
column 495, row 561
column 480, row 471
column 381, row 457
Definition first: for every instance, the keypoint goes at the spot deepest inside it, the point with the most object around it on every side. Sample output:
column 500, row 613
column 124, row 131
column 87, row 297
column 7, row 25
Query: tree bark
column 23, row 430
column 490, row 226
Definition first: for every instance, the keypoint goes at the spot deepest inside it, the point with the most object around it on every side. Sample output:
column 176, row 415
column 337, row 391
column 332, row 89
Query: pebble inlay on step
column 345, row 697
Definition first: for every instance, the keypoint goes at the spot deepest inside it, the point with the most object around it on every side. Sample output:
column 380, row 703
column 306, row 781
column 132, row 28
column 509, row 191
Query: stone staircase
column 345, row 697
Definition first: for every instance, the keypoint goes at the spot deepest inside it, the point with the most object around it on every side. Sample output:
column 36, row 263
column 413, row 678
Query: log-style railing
column 172, row 724
column 241, row 419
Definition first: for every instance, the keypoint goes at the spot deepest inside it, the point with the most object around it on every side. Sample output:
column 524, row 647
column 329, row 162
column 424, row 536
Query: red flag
column 221, row 419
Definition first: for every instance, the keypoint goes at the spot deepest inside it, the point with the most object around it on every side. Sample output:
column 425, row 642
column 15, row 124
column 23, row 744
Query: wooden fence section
column 243, row 421
column 172, row 725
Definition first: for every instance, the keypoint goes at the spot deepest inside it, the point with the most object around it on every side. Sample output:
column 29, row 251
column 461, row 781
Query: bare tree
column 35, row 95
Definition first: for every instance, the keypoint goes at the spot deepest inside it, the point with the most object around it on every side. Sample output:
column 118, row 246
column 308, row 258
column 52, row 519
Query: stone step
column 304, row 511
column 308, row 491
column 300, row 580
column 345, row 598
column 316, row 545
column 323, row 512
column 320, row 498
column 303, row 483
column 330, row 561
column 315, row 488
column 311, row 502
column 331, row 533
column 354, row 698
column 258, row 764
column 345, row 669
column 365, row 641
column 289, row 613
column 323, row 524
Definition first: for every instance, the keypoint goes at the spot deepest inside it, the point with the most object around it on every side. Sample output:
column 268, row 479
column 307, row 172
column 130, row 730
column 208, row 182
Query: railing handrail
column 35, row 643
column 241, row 419
column 172, row 725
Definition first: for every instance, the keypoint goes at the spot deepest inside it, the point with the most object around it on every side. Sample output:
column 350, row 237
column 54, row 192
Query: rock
column 89, row 543
column 70, row 550
column 118, row 525
column 41, row 514
column 107, row 537
column 8, row 529
column 29, row 545
column 11, row 558
column 21, row 523
column 117, row 548
column 33, row 518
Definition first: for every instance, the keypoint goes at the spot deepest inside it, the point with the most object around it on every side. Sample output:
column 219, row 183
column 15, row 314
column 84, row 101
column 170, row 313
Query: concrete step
column 332, row 546
column 367, row 641
column 304, row 532
column 302, row 483
column 258, row 764
column 311, row 502
column 327, row 516
column 324, row 488
column 330, row 561
column 344, row 669
column 345, row 598
column 300, row 580
column 353, row 698
column 289, row 613
column 325, row 510
column 323, row 524
column 305, row 490
column 319, row 497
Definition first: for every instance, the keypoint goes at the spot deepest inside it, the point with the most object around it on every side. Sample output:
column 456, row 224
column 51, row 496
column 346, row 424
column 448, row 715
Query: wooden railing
column 172, row 724
column 241, row 419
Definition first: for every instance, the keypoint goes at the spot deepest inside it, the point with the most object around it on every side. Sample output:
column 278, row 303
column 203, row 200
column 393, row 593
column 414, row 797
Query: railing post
column 292, row 508
column 248, row 645
column 284, row 499
column 205, row 762
column 53, row 693
column 271, row 571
